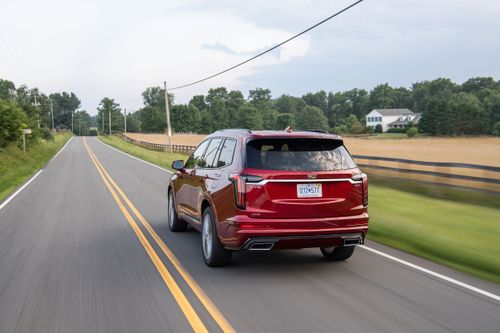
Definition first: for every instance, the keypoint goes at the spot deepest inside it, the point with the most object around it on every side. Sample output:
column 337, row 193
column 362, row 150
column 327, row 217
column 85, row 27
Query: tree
column 186, row 118
column 379, row 128
column 216, row 94
column 7, row 90
column 382, row 97
column 318, row 100
column 82, row 122
column 312, row 118
column 289, row 104
column 107, row 106
column 64, row 105
column 412, row 132
column 250, row 117
column 284, row 120
column 260, row 97
column 12, row 121
column 199, row 102
column 218, row 110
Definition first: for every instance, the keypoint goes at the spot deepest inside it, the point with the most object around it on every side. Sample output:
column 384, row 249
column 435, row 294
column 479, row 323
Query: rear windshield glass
column 298, row 155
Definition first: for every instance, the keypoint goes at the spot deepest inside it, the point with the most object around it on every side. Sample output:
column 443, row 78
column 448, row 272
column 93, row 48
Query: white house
column 391, row 118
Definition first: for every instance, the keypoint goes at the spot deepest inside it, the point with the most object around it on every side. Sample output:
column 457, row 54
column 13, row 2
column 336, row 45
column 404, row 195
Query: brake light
column 240, row 187
column 364, row 186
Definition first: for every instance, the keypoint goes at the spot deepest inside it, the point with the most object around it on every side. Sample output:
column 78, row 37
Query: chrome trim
column 317, row 180
column 270, row 239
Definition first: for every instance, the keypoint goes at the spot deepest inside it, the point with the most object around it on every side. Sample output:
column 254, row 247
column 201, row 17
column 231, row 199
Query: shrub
column 340, row 129
column 92, row 132
column 379, row 128
column 12, row 120
column 369, row 129
column 496, row 129
column 412, row 132
column 396, row 130
column 357, row 129
column 46, row 134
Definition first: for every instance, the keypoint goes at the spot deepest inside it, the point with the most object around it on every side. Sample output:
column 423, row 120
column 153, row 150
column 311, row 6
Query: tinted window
column 226, row 154
column 212, row 150
column 298, row 155
column 195, row 158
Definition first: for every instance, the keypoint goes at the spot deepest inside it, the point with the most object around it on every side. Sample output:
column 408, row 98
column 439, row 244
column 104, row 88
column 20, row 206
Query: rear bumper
column 242, row 231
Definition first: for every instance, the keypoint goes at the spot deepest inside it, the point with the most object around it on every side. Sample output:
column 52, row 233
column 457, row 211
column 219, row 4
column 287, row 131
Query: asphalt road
column 71, row 261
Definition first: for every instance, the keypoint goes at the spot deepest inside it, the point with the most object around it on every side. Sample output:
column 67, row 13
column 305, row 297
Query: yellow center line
column 192, row 317
column 195, row 287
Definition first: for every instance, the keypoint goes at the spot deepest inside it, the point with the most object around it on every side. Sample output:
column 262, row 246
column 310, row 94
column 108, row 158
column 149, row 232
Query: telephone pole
column 52, row 114
column 125, row 110
column 102, row 118
column 167, row 109
column 72, row 116
column 109, row 113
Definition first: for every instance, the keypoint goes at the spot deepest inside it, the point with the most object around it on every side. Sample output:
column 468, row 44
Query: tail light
column 240, row 187
column 364, row 186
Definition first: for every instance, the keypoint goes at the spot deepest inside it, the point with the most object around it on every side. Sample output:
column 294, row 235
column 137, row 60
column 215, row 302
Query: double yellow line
column 186, row 307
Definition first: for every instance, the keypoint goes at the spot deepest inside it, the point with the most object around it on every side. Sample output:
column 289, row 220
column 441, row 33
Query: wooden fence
column 474, row 176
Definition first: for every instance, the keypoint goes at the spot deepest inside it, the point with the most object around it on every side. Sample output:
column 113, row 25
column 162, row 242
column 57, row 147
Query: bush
column 92, row 132
column 412, row 132
column 357, row 129
column 496, row 129
column 369, row 129
column 12, row 120
column 340, row 129
column 46, row 134
column 396, row 130
column 379, row 128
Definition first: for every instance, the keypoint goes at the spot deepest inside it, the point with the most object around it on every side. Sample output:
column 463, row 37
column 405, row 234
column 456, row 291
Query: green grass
column 462, row 236
column 17, row 166
column 159, row 158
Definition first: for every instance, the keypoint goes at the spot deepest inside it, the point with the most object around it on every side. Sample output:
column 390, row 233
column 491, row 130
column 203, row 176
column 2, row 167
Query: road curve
column 71, row 262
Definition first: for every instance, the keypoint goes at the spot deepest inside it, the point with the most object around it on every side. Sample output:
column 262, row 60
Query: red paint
column 246, row 209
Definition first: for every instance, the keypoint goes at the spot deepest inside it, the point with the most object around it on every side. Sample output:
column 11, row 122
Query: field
column 16, row 166
column 481, row 150
column 460, row 235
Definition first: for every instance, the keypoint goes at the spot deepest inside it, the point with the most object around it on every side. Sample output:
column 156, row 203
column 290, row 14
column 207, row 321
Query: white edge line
column 13, row 195
column 439, row 276
column 60, row 150
column 406, row 263
column 135, row 158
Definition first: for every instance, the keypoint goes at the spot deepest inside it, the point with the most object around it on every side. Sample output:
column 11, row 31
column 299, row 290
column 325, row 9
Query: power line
column 269, row 50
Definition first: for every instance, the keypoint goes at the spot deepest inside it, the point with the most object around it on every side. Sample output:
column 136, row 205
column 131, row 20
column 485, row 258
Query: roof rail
column 234, row 129
column 318, row 131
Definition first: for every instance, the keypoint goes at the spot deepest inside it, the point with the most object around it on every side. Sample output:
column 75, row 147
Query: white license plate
column 309, row 191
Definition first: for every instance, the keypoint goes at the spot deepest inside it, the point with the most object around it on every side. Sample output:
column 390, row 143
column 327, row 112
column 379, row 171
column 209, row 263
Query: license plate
column 309, row 191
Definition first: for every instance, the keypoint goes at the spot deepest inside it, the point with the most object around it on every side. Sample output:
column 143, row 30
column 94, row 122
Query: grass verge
column 17, row 166
column 159, row 158
column 463, row 236
column 460, row 235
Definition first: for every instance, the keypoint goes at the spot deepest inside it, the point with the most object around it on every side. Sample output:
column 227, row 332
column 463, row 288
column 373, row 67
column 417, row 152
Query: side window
column 195, row 158
column 226, row 154
column 212, row 150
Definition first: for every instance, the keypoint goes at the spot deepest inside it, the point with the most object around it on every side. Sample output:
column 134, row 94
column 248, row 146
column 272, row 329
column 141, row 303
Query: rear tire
column 174, row 223
column 214, row 254
column 337, row 253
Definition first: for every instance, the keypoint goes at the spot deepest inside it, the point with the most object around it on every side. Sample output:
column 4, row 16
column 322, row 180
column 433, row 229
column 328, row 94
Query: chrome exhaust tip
column 261, row 246
column 352, row 240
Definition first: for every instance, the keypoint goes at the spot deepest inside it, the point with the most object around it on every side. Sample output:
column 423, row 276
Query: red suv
column 263, row 190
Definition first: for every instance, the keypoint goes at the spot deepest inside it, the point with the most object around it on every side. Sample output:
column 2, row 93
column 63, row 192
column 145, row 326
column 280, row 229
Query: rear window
column 298, row 155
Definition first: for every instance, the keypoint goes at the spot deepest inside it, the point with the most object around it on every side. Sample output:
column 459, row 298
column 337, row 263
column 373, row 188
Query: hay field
column 477, row 150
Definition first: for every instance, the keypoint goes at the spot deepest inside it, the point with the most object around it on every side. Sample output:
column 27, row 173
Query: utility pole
column 79, row 124
column 102, row 118
column 125, row 110
column 36, row 104
column 72, row 116
column 109, row 113
column 167, row 109
column 52, row 113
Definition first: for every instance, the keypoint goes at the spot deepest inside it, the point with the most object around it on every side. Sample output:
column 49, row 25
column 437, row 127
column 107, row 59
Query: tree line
column 448, row 108
column 23, row 107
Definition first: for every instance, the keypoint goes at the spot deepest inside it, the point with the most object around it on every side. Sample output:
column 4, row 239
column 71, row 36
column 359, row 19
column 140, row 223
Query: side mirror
column 178, row 165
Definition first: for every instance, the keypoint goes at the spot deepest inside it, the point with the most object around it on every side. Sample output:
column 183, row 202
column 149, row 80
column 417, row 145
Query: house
column 391, row 118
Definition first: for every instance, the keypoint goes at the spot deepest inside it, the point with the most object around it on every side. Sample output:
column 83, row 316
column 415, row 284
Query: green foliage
column 93, row 131
column 379, row 128
column 447, row 109
column 396, row 130
column 496, row 129
column 311, row 118
column 106, row 107
column 12, row 121
column 412, row 132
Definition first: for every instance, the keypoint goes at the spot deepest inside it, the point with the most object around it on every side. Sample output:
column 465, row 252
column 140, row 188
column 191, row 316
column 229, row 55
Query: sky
column 116, row 49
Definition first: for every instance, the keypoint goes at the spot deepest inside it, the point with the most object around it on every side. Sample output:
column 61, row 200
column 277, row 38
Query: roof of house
column 404, row 122
column 393, row 112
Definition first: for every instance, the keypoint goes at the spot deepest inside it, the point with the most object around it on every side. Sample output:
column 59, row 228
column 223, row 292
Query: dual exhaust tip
column 350, row 240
